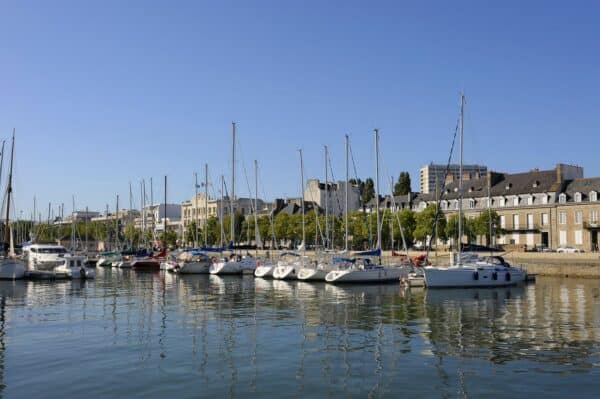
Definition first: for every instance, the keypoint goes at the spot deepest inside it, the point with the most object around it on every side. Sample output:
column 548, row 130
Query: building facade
column 332, row 196
column 432, row 173
column 197, row 208
column 552, row 208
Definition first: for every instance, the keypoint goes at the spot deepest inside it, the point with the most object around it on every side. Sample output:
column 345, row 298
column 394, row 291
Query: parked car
column 567, row 249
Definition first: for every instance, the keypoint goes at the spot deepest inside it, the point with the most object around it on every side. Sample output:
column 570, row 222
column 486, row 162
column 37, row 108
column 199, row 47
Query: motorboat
column 73, row 266
column 192, row 262
column 235, row 264
column 363, row 271
column 491, row 271
column 43, row 256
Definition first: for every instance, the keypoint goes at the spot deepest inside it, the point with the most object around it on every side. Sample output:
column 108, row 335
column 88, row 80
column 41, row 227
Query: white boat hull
column 311, row 274
column 285, row 272
column 75, row 272
column 11, row 269
column 374, row 275
column 456, row 276
column 232, row 267
column 192, row 268
column 264, row 271
column 124, row 264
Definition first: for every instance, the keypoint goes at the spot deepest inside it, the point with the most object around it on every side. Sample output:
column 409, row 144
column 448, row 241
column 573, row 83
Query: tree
column 368, row 191
column 481, row 225
column 402, row 186
column 424, row 224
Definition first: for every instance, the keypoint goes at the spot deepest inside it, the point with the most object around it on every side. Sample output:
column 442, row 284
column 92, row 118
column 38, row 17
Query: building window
column 593, row 196
column 544, row 219
column 502, row 201
column 577, row 197
column 562, row 237
column 455, row 204
column 544, row 199
column 562, row 218
column 578, row 216
column 471, row 203
column 530, row 221
column 502, row 221
column 516, row 201
column 515, row 222
column 578, row 237
column 444, row 205
column 562, row 198
column 593, row 216
column 530, row 200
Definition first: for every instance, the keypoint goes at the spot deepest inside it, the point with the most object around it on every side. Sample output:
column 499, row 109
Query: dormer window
column 544, row 199
column 536, row 183
column 455, row 204
column 508, row 186
column 502, row 201
column 593, row 196
column 530, row 200
column 562, row 198
column 471, row 189
column 516, row 200
column 444, row 205
column 577, row 197
column 471, row 203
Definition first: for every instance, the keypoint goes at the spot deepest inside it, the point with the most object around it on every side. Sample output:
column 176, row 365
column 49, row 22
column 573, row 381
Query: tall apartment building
column 429, row 174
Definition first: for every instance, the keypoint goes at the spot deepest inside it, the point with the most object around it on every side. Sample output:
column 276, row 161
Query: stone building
column 333, row 195
column 552, row 208
column 196, row 208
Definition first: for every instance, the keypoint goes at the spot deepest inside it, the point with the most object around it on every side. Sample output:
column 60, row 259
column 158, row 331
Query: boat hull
column 146, row 264
column 192, row 268
column 232, row 267
column 455, row 277
column 308, row 274
column 285, row 273
column 375, row 275
column 264, row 271
column 11, row 269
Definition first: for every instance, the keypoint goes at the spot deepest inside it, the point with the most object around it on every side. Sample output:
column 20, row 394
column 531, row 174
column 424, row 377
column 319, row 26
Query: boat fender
column 213, row 260
column 495, row 276
column 507, row 276
column 476, row 276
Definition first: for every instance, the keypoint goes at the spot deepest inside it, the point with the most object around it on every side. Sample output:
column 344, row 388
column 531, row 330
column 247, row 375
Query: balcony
column 534, row 228
column 595, row 225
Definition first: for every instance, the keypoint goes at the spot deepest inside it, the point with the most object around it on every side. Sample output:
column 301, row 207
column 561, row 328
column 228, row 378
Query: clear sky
column 107, row 92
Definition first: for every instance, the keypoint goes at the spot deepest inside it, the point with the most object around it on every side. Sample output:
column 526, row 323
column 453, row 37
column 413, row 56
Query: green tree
column 402, row 186
column 368, row 191
column 481, row 225
column 424, row 223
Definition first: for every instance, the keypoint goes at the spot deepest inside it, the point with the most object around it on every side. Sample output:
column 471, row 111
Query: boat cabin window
column 78, row 263
column 49, row 250
column 71, row 263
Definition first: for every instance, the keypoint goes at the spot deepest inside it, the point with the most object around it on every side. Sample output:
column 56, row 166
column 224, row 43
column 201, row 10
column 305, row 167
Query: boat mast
column 165, row 218
column 142, row 203
column 303, row 244
column 196, row 210
column 8, row 195
column 377, row 187
column 460, row 180
column 221, row 210
column 232, row 199
column 205, row 204
column 130, row 214
column 73, row 239
column 326, row 241
column 85, row 220
column 346, row 200
column 117, row 244
column 256, row 231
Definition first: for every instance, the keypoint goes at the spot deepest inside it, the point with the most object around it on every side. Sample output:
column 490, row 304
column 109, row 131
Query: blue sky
column 104, row 93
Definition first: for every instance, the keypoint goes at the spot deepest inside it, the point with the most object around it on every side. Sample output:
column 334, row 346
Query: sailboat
column 11, row 268
column 466, row 271
column 363, row 270
column 235, row 264
column 290, row 263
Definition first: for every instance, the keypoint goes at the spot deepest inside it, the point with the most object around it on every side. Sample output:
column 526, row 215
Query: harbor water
column 158, row 335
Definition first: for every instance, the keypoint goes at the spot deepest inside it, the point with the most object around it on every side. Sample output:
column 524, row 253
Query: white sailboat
column 11, row 268
column 363, row 271
column 235, row 264
column 492, row 272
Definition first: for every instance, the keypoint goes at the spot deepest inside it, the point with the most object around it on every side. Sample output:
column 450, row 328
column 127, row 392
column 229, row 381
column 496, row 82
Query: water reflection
column 157, row 334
